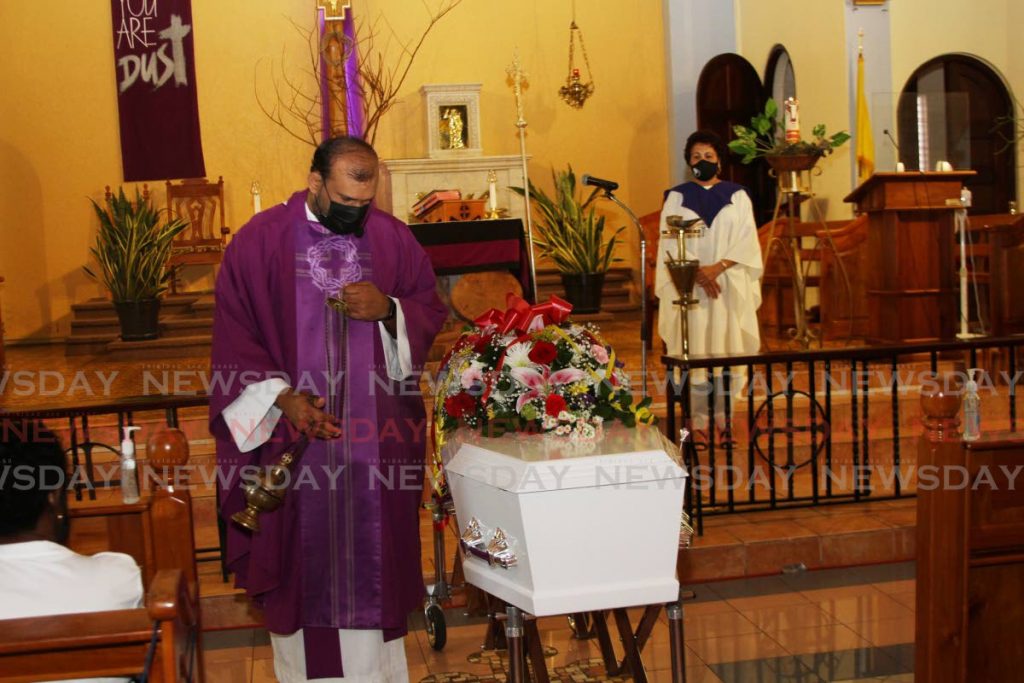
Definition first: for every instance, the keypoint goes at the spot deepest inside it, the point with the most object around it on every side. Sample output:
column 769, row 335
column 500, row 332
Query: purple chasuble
column 707, row 202
column 343, row 550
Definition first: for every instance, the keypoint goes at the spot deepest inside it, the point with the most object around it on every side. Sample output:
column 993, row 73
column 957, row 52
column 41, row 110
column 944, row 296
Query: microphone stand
column 644, row 332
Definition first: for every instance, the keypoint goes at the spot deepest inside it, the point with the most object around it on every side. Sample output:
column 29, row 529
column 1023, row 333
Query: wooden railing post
column 941, row 535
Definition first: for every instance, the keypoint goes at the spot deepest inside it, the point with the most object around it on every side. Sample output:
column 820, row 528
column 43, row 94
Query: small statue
column 451, row 129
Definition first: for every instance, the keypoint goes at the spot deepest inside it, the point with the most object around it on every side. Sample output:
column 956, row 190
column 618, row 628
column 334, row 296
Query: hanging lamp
column 575, row 92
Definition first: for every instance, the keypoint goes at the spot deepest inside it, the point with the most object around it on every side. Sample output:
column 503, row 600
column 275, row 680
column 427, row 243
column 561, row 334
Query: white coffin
column 592, row 525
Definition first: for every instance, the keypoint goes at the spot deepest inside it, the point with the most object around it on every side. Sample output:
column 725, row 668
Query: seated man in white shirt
column 38, row 574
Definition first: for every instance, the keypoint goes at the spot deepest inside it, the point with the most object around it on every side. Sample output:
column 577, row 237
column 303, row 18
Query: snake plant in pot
column 131, row 249
column 570, row 233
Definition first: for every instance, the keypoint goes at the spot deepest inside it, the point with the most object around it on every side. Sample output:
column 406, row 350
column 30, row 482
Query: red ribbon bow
column 522, row 317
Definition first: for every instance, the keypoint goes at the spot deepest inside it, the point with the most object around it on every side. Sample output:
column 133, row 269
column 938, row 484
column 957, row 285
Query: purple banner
column 156, row 89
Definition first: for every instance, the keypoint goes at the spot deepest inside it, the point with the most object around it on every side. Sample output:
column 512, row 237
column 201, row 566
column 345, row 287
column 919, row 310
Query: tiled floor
column 848, row 625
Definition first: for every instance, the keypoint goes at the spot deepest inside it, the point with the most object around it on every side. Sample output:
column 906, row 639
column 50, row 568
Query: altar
column 460, row 247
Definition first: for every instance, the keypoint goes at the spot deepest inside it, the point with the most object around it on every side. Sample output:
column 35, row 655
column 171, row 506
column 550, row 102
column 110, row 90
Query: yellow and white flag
column 865, row 143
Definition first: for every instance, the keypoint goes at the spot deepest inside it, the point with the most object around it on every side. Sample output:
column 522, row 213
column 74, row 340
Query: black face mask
column 704, row 170
column 342, row 219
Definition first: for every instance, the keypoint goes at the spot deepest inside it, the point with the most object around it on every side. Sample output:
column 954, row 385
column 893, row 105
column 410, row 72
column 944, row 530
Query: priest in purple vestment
column 336, row 569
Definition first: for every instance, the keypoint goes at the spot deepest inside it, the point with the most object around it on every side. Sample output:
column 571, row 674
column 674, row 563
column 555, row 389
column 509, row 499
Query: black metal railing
column 797, row 446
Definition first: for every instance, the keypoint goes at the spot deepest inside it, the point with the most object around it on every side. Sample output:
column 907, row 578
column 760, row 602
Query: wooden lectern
column 910, row 277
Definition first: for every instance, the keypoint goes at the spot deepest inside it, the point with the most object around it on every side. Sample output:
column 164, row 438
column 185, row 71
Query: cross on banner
column 334, row 10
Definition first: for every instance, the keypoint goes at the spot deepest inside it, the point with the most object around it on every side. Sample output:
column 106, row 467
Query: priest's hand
column 305, row 412
column 365, row 301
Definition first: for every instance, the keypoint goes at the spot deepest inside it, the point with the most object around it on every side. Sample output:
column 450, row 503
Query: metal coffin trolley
column 538, row 514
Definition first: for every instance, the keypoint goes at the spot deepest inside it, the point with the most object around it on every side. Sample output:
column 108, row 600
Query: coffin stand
column 552, row 526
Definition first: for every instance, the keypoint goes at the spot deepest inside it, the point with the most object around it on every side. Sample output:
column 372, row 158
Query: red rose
column 543, row 352
column 554, row 405
column 481, row 344
column 458, row 405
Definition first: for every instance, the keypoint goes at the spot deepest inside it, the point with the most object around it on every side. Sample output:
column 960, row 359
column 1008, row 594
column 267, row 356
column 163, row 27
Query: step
column 99, row 308
column 88, row 344
column 186, row 326
column 164, row 347
column 95, row 326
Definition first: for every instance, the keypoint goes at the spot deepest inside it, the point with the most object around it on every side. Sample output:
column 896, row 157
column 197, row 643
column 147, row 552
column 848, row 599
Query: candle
column 492, row 191
column 791, row 110
column 257, row 204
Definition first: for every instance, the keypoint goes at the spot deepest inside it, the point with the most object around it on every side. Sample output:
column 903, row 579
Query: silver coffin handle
column 497, row 552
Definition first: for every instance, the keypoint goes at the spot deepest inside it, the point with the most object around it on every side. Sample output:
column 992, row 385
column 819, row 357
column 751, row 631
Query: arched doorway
column 947, row 111
column 729, row 93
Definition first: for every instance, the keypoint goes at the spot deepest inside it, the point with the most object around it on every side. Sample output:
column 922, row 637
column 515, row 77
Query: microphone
column 606, row 185
column 887, row 134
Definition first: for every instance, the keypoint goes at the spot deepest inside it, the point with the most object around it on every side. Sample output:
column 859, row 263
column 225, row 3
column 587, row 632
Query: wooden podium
column 910, row 279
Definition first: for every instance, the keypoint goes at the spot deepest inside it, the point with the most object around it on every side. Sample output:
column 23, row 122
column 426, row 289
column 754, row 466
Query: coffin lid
column 534, row 463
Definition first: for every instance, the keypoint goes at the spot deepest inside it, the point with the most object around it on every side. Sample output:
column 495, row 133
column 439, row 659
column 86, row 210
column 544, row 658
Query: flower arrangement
column 759, row 139
column 529, row 370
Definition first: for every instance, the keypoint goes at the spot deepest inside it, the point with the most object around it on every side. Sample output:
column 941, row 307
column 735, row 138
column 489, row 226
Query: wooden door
column 729, row 93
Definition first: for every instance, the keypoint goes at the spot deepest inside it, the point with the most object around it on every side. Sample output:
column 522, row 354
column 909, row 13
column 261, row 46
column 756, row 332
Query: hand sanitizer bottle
column 129, row 484
column 972, row 408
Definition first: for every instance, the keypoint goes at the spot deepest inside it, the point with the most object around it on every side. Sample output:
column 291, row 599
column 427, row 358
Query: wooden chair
column 836, row 313
column 996, row 257
column 201, row 203
column 158, row 533
column 844, row 308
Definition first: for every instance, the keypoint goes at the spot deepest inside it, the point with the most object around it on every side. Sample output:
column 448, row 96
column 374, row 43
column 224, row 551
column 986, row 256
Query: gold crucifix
column 334, row 10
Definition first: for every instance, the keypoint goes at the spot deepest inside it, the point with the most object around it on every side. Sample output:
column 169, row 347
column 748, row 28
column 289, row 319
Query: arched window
column 779, row 78
column 947, row 111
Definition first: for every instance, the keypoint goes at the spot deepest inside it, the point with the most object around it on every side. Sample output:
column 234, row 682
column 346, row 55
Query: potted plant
column 131, row 248
column 759, row 140
column 572, row 235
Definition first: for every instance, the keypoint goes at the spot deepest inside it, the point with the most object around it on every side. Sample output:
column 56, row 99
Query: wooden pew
column 113, row 643
column 157, row 532
column 970, row 552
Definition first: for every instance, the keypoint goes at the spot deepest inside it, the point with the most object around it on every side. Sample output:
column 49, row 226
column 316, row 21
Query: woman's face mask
column 704, row 170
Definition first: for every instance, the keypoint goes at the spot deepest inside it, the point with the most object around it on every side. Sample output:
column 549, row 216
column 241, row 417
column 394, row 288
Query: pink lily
column 540, row 383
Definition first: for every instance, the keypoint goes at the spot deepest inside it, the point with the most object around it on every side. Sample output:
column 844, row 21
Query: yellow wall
column 819, row 62
column 59, row 130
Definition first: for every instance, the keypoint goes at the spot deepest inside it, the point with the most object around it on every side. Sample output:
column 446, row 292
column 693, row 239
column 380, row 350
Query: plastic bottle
column 129, row 484
column 972, row 408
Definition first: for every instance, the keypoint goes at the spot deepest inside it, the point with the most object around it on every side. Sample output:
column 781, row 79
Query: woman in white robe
column 728, row 290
